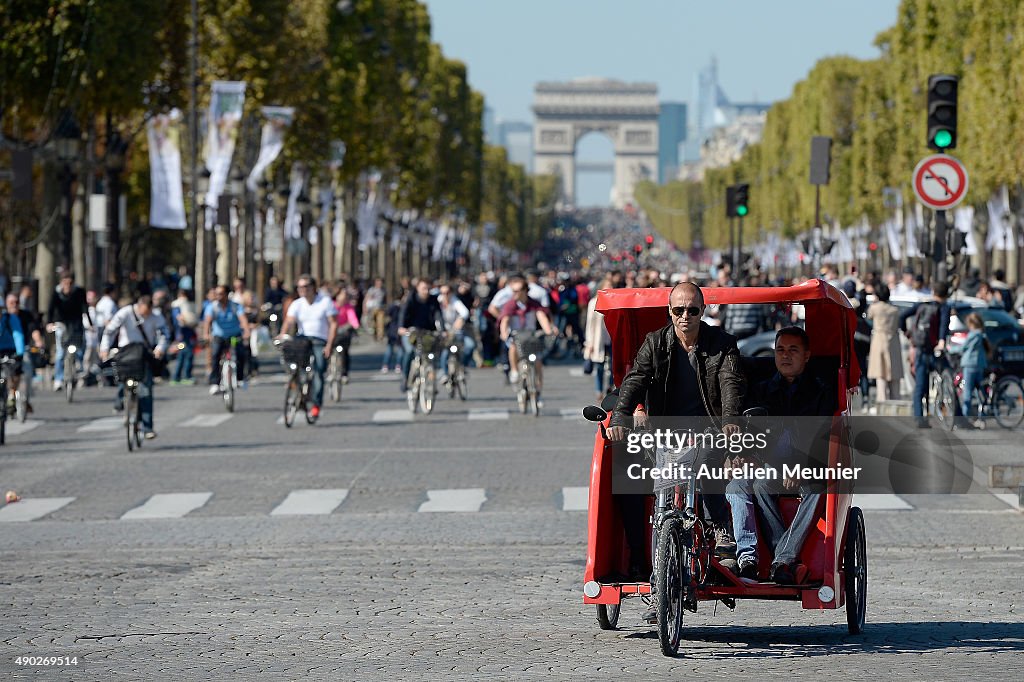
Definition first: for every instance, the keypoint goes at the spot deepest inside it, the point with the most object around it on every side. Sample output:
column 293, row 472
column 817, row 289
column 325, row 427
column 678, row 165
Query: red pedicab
column 834, row 551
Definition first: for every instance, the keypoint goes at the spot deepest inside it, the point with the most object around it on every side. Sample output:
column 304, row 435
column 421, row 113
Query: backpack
column 924, row 326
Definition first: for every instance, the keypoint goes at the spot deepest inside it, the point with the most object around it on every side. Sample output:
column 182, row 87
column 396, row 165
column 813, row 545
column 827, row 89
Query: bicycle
column 297, row 357
column 456, row 382
column 336, row 376
column 998, row 396
column 530, row 348
column 131, row 373
column 71, row 345
column 229, row 374
column 421, row 388
column 272, row 318
column 7, row 369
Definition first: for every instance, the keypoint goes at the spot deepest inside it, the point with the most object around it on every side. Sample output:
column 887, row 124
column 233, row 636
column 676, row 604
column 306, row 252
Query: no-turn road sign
column 940, row 181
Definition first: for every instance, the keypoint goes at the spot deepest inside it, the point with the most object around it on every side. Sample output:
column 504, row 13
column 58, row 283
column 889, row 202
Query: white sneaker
column 57, row 385
column 383, row 370
column 214, row 390
column 540, row 403
column 513, row 376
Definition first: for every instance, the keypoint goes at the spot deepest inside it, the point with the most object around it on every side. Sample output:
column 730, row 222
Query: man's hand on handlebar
column 616, row 433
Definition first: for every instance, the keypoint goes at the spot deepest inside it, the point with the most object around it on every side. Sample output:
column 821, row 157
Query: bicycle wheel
column 227, row 385
column 307, row 404
column 413, row 388
column 855, row 570
column 534, row 402
column 291, row 401
column 21, row 404
column 461, row 386
column 130, row 417
column 69, row 376
column 942, row 397
column 453, row 374
column 428, row 389
column 3, row 412
column 1008, row 402
column 335, row 377
column 671, row 579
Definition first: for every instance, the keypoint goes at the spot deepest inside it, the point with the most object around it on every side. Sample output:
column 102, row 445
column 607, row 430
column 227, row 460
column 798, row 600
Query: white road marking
column 487, row 414
column 168, row 506
column 385, row 377
column 572, row 413
column 1009, row 498
column 16, row 428
column 392, row 416
column 32, row 508
column 103, row 424
column 207, row 420
column 575, row 498
column 576, row 371
column 881, row 502
column 310, row 502
column 454, row 500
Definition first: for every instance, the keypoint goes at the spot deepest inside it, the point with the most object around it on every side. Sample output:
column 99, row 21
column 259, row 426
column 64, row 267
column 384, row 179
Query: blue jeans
column 407, row 353
column 740, row 494
column 186, row 356
column 924, row 361
column 392, row 355
column 745, row 495
column 221, row 344
column 973, row 376
column 58, row 371
column 319, row 367
column 145, row 400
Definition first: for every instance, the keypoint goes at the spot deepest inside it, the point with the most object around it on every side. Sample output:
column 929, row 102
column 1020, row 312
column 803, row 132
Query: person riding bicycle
column 138, row 323
column 927, row 330
column 12, row 347
column 685, row 369
column 68, row 307
column 348, row 323
column 225, row 320
column 791, row 392
column 314, row 316
column 419, row 311
column 455, row 315
column 523, row 314
column 35, row 344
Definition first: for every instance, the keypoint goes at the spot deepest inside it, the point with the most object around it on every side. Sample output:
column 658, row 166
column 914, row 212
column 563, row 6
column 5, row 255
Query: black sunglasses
column 678, row 311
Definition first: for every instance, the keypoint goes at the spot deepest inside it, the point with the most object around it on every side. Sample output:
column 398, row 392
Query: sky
column 763, row 48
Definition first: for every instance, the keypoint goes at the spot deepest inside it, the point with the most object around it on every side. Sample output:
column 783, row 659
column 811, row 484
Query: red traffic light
column 638, row 248
column 873, row 246
column 650, row 239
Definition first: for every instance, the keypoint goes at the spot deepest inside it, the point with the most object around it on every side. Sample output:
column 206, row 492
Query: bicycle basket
column 530, row 345
column 130, row 362
column 297, row 351
column 428, row 342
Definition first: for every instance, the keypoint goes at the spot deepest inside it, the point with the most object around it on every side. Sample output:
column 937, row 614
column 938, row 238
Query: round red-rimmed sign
column 940, row 181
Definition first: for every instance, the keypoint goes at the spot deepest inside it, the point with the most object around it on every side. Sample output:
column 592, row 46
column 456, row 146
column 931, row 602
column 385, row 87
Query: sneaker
column 730, row 565
column 57, row 386
column 314, row 412
column 344, row 378
column 398, row 370
column 978, row 423
column 748, row 568
column 174, row 382
column 513, row 376
column 782, row 574
column 214, row 389
column 725, row 545
column 119, row 408
column 384, row 369
column 650, row 615
column 540, row 403
column 150, row 435
column 28, row 408
column 188, row 382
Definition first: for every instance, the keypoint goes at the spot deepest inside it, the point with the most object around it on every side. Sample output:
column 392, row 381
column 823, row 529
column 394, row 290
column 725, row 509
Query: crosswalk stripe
column 168, row 506
column 16, row 428
column 572, row 413
column 103, row 424
column 487, row 414
column 575, row 498
column 207, row 420
column 881, row 502
column 310, row 502
column 385, row 377
column 32, row 508
column 575, row 371
column 454, row 500
column 392, row 416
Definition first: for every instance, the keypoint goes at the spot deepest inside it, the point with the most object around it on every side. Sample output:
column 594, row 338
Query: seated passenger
column 789, row 393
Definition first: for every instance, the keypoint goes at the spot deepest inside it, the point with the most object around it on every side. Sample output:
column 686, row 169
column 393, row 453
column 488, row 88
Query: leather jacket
column 720, row 376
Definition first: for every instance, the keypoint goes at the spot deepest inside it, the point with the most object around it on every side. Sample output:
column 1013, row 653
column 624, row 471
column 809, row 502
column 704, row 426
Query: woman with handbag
column 596, row 342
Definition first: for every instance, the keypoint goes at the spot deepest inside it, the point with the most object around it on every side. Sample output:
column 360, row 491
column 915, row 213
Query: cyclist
column 523, row 314
column 68, row 307
column 419, row 311
column 455, row 315
column 348, row 323
column 138, row 323
column 314, row 316
column 225, row 320
column 33, row 341
column 12, row 346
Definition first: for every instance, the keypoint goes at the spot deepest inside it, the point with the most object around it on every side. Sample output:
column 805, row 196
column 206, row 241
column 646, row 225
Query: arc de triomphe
column 626, row 112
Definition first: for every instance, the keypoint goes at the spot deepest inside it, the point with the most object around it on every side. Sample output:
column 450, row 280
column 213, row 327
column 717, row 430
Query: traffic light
column 638, row 249
column 742, row 200
column 649, row 239
column 942, row 90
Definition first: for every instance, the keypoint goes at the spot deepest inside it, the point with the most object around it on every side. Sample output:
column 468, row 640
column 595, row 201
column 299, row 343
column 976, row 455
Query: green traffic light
column 741, row 210
column 943, row 139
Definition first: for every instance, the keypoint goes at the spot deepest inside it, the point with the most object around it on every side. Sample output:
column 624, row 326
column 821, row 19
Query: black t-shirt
column 683, row 399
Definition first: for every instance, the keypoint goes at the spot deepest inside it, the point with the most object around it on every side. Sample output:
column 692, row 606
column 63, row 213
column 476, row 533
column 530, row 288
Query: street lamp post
column 201, row 280
column 116, row 147
column 302, row 205
column 68, row 140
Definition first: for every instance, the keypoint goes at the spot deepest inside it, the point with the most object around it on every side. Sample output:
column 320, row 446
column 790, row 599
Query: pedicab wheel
column 671, row 579
column 1008, row 402
column 291, row 403
column 855, row 569
column 608, row 616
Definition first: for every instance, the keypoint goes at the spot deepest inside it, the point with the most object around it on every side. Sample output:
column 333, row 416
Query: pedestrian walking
column 885, row 357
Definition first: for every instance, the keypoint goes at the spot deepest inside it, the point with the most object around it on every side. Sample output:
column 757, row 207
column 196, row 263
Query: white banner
column 273, row 239
column 963, row 220
column 339, row 222
column 292, row 218
column 892, row 232
column 366, row 220
column 166, row 200
column 912, row 234
column 1000, row 233
column 271, row 141
column 222, row 123
column 440, row 237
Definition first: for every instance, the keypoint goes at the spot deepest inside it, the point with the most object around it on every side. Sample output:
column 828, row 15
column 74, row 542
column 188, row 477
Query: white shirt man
column 313, row 319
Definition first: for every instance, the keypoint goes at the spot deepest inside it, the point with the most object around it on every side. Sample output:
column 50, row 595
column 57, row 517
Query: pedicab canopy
column 630, row 314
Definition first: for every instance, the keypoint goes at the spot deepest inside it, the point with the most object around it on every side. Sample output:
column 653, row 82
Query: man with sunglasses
column 315, row 317
column 685, row 369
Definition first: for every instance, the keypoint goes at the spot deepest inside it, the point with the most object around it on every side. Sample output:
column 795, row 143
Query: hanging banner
column 166, row 200
column 292, row 218
column 271, row 141
column 1000, row 233
column 222, row 124
column 913, row 251
column 273, row 240
column 892, row 232
column 963, row 220
column 339, row 222
column 366, row 221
